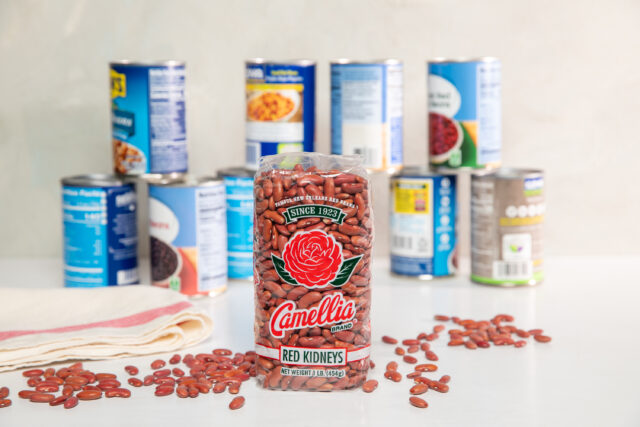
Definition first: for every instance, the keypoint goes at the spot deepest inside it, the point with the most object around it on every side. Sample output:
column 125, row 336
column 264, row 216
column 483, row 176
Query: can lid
column 186, row 181
column 93, row 180
column 418, row 171
column 509, row 173
column 163, row 62
column 303, row 62
column 239, row 171
column 388, row 61
column 462, row 59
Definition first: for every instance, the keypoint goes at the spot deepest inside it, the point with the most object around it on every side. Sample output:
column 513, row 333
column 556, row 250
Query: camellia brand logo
column 314, row 259
column 332, row 309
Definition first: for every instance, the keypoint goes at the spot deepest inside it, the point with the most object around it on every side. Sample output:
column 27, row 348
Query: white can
column 367, row 112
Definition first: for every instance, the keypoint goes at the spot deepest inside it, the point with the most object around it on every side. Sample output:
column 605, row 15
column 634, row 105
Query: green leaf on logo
column 278, row 263
column 345, row 271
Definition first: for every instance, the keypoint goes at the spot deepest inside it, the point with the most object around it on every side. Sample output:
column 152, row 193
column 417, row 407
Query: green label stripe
column 292, row 214
column 538, row 277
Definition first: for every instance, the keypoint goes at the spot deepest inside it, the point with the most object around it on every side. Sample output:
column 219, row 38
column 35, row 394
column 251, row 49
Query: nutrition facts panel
column 211, row 237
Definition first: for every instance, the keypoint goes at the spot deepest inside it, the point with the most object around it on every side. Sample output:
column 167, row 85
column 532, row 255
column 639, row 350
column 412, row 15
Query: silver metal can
column 188, row 231
column 507, row 218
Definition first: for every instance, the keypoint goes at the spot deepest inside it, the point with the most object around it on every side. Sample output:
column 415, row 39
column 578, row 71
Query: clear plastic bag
column 313, row 234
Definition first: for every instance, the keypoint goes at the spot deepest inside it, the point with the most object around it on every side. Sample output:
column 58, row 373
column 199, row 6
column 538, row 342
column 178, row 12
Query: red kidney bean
column 163, row 390
column 444, row 379
column 33, row 373
column 535, row 331
column 135, row 382
column 413, row 375
column 162, row 373
column 157, row 364
column 470, row 345
column 222, row 352
column 177, row 372
column 131, row 370
column 425, row 346
column 430, row 355
column 426, row 367
column 47, row 388
column 236, row 403
column 4, row 392
column 4, row 403
column 26, row 394
column 41, row 397
column 519, row 344
column 410, row 342
column 175, row 359
column 413, row 349
column 104, row 376
column 418, row 402
column 419, row 389
column 441, row 318
column 392, row 366
column 389, row 340
column 369, row 386
column 59, row 400
column 118, row 392
column 456, row 341
column 71, row 402
column 483, row 344
column 182, row 391
column 394, row 376
column 89, row 395
column 542, row 338
column 399, row 351
column 148, row 380
column 410, row 359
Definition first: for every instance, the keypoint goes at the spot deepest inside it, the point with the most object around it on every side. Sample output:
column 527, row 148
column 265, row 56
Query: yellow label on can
column 118, row 84
column 412, row 197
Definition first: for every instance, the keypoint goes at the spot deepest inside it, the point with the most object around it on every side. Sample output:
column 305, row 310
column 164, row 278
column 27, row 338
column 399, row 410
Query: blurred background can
column 148, row 118
column 100, row 233
column 423, row 223
column 367, row 111
column 238, row 184
column 281, row 108
column 188, row 231
column 507, row 217
column 465, row 113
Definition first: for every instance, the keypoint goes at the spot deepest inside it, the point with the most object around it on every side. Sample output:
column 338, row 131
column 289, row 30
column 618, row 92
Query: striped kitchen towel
column 39, row 326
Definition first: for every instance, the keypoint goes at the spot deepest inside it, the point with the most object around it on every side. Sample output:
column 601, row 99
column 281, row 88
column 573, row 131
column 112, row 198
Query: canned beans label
column 188, row 238
column 465, row 113
column 313, row 235
column 148, row 118
column 100, row 236
column 507, row 218
column 239, row 226
column 280, row 109
column 423, row 216
column 366, row 112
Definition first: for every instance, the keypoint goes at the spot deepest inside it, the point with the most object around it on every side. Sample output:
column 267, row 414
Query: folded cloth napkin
column 39, row 326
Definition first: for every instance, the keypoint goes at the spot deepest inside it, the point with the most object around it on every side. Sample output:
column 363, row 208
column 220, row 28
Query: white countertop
column 587, row 376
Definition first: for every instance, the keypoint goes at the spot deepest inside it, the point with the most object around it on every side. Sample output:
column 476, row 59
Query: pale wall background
column 571, row 93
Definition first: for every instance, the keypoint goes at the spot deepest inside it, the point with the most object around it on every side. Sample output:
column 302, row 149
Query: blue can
column 239, row 189
column 100, row 231
column 148, row 118
column 281, row 108
column 367, row 112
column 423, row 223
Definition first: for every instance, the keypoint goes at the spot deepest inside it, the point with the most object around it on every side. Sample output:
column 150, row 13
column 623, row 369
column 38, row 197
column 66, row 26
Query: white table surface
column 588, row 375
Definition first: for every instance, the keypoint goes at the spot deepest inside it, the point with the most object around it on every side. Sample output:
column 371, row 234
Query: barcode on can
column 402, row 242
column 512, row 270
column 126, row 277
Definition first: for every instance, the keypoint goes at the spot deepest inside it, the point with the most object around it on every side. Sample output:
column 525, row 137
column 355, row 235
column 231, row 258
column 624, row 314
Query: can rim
column 237, row 171
column 387, row 61
column 300, row 61
column 93, row 180
column 187, row 181
column 462, row 59
column 135, row 63
column 419, row 171
column 509, row 173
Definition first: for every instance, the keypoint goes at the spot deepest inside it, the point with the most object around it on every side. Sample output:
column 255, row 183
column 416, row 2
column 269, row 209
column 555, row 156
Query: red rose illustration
column 312, row 258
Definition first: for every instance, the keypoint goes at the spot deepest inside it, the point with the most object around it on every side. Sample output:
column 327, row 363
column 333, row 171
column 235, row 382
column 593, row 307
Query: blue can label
column 366, row 113
column 239, row 226
column 465, row 118
column 423, row 218
column 100, row 236
column 148, row 119
column 281, row 106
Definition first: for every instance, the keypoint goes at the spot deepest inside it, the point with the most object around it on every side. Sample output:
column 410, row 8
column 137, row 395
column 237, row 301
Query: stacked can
column 188, row 231
column 367, row 112
column 280, row 110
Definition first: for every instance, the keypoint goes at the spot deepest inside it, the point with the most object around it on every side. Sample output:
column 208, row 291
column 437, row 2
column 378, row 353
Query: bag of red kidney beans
column 313, row 233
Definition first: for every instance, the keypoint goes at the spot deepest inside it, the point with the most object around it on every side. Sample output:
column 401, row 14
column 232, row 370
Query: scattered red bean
column 157, row 364
column 394, row 376
column 392, row 366
column 389, row 340
column 369, row 386
column 426, row 367
column 410, row 359
column 541, row 338
column 58, row 400
column 71, row 402
column 33, row 373
column 41, row 397
column 131, row 370
column 5, row 403
column 445, row 379
column 4, row 392
column 400, row 351
column 236, row 403
column 135, row 382
column 419, row 389
column 89, row 395
column 418, row 403
column 430, row 355
column 175, row 359
column 118, row 392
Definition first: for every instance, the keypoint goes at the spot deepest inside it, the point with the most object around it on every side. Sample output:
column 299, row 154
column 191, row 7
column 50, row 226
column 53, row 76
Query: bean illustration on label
column 313, row 233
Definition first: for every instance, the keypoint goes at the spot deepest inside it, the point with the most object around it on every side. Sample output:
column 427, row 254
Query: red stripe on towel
column 121, row 322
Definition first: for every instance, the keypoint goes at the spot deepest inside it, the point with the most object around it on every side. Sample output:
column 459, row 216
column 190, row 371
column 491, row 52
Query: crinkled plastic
column 313, row 236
